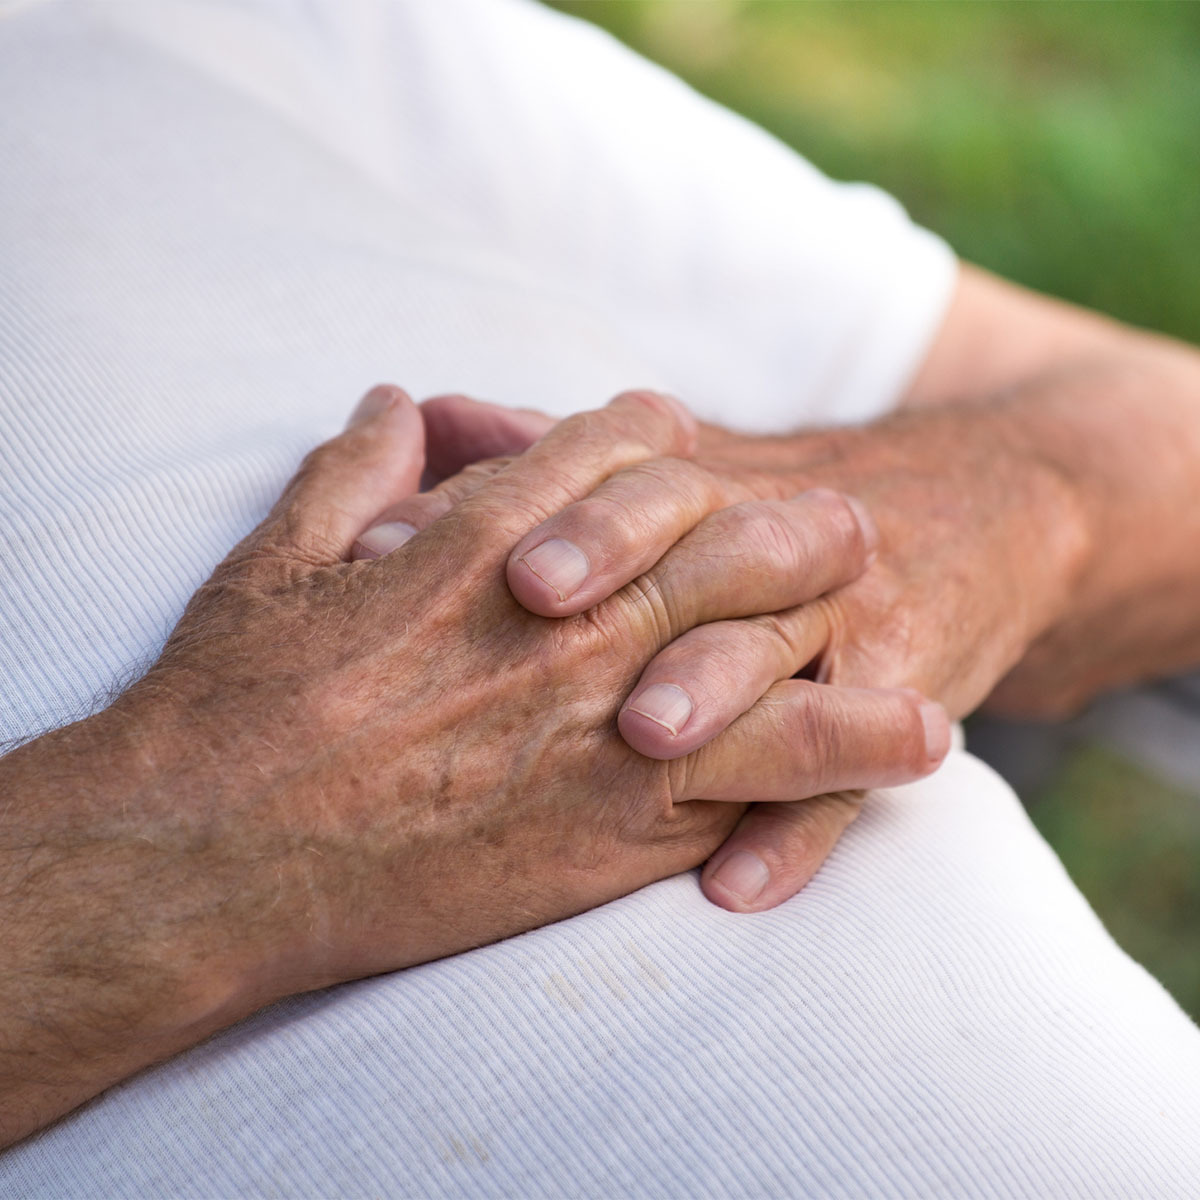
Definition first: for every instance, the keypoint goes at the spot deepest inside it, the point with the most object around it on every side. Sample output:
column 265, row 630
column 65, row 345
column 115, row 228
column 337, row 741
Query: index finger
column 570, row 461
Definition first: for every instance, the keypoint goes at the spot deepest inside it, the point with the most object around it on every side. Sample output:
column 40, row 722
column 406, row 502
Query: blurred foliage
column 1057, row 143
column 1132, row 844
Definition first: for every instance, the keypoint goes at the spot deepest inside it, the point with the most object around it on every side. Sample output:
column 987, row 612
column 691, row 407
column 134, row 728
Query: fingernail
column 383, row 539
column 559, row 563
column 665, row 704
column 866, row 523
column 744, row 874
column 937, row 730
column 377, row 400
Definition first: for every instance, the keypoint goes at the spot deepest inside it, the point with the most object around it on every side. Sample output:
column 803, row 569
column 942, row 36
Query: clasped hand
column 344, row 765
column 422, row 764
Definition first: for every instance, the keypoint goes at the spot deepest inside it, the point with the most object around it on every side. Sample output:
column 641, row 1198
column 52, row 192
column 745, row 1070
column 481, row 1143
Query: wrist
column 969, row 498
column 1051, row 504
column 986, row 471
column 119, row 950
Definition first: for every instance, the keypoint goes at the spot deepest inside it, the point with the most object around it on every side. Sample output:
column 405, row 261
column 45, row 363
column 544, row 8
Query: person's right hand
column 339, row 768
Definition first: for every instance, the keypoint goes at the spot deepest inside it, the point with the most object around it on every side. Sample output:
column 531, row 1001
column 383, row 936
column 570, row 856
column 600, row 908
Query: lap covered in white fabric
column 225, row 220
column 938, row 1013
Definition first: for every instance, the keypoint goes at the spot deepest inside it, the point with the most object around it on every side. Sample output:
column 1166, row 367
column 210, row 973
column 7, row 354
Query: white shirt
column 222, row 221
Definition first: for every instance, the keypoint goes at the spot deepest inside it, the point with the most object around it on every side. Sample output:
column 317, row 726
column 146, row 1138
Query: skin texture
column 338, row 768
column 1037, row 501
column 317, row 782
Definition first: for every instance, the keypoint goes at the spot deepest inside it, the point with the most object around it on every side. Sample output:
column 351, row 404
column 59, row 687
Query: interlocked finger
column 403, row 520
column 460, row 430
column 759, row 557
column 567, row 464
column 775, row 850
column 709, row 676
column 805, row 739
column 591, row 548
column 376, row 460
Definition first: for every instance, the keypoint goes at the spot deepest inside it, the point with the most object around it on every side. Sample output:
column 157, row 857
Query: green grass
column 1057, row 143
column 1132, row 844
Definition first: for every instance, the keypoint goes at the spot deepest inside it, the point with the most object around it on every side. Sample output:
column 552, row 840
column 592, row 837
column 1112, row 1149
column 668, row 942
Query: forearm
column 1125, row 433
column 115, row 951
column 1083, row 484
column 1117, row 411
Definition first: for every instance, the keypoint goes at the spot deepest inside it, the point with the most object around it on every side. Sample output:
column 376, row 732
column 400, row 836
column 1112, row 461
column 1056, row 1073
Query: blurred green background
column 1056, row 142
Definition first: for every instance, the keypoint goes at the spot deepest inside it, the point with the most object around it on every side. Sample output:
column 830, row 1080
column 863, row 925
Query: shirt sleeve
column 765, row 294
column 777, row 296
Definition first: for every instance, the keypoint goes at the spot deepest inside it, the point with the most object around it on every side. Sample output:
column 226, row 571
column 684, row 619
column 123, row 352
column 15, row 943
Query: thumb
column 344, row 482
column 775, row 850
column 460, row 431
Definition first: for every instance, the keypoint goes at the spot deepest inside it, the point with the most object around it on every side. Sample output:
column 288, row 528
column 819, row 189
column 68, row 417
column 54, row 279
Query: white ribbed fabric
column 221, row 222
column 937, row 1014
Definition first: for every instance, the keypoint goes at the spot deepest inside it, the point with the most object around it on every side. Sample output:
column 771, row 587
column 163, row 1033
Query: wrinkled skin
column 977, row 549
column 980, row 546
column 425, row 765
column 979, row 539
column 341, row 767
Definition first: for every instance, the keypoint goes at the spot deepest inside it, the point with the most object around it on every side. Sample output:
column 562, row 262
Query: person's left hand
column 977, row 548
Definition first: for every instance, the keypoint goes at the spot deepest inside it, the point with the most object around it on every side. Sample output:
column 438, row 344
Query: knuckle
column 598, row 426
column 475, row 474
column 555, row 485
column 645, row 400
column 612, row 531
column 684, row 482
column 781, row 637
column 334, row 453
column 512, row 506
column 642, row 608
column 765, row 529
column 488, row 523
column 680, row 425
column 818, row 740
column 616, row 529
column 627, row 516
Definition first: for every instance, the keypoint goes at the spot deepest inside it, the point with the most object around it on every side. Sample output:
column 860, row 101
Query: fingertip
column 866, row 525
column 652, row 721
column 453, row 408
column 462, row 430
column 381, row 399
column 936, row 725
column 382, row 539
column 739, row 881
column 547, row 577
column 530, row 592
column 686, row 425
column 647, row 737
